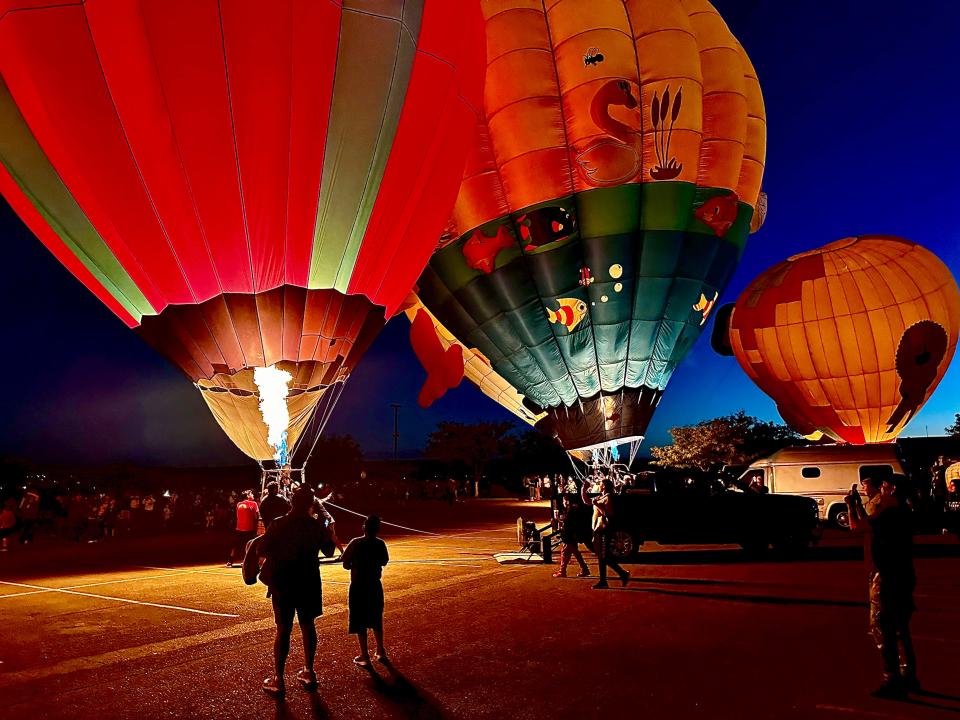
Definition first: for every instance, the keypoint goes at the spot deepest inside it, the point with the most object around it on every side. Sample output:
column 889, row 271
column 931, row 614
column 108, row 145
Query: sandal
column 274, row 686
column 307, row 679
column 361, row 661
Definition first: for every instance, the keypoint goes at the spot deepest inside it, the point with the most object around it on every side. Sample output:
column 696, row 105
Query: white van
column 824, row 473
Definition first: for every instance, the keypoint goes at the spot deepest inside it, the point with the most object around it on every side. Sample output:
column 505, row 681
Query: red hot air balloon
column 248, row 183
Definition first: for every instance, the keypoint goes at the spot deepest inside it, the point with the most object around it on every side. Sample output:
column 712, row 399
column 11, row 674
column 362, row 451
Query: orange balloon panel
column 582, row 95
column 850, row 339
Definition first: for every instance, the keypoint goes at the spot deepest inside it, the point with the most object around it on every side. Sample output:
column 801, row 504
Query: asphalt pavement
column 159, row 628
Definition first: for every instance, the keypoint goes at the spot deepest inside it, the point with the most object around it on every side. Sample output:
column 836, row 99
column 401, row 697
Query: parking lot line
column 120, row 600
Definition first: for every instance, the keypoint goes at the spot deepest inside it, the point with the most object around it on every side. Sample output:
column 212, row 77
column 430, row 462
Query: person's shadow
column 406, row 698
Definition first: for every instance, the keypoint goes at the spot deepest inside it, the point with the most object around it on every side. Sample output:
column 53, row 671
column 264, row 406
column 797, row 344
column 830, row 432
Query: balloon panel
column 236, row 408
column 850, row 339
column 478, row 370
column 604, row 207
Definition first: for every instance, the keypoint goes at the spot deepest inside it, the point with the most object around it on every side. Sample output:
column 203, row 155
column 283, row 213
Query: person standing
column 291, row 550
column 573, row 522
column 273, row 505
column 248, row 513
column 884, row 520
column 365, row 558
column 951, row 508
column 29, row 512
column 8, row 523
column 602, row 525
column 320, row 510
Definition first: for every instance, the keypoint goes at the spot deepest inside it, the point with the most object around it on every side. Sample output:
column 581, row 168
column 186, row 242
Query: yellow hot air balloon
column 850, row 339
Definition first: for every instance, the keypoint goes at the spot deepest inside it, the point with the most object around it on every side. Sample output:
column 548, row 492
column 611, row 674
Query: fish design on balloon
column 569, row 314
column 481, row 251
column 704, row 306
column 719, row 213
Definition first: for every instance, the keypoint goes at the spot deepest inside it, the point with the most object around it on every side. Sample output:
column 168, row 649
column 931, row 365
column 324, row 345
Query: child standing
column 365, row 558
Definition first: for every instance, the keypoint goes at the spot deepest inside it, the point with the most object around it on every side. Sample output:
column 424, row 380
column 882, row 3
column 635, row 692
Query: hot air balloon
column 249, row 184
column 605, row 207
column 850, row 339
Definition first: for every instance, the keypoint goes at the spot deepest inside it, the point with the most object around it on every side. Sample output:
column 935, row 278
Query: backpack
column 254, row 567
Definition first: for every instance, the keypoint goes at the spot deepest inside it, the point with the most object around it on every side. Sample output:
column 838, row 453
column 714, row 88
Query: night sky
column 862, row 113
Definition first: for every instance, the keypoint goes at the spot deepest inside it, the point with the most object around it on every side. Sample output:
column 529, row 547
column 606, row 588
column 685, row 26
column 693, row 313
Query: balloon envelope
column 249, row 183
column 850, row 339
column 605, row 207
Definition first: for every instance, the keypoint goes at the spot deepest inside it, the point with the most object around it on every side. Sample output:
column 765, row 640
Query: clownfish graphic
column 569, row 314
column 704, row 306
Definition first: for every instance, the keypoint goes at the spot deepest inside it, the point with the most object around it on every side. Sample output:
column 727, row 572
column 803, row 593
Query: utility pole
column 396, row 429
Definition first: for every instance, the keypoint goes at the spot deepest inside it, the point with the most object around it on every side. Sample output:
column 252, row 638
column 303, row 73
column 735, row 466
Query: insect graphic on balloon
column 593, row 57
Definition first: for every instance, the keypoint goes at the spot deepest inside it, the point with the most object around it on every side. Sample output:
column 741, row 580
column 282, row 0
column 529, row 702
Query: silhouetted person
column 248, row 513
column 365, row 558
column 888, row 554
column 575, row 520
column 273, row 505
column 29, row 513
column 320, row 510
column 602, row 525
column 291, row 550
column 951, row 508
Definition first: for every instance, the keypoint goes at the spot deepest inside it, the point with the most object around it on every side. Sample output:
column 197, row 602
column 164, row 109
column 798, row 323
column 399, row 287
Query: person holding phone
column 884, row 520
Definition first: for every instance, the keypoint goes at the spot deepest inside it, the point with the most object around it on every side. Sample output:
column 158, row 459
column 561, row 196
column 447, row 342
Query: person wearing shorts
column 365, row 558
column 248, row 516
column 291, row 549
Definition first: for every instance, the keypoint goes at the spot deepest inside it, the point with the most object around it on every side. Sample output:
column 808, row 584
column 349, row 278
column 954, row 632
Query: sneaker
column 891, row 690
column 602, row 585
column 274, row 686
column 625, row 578
column 381, row 657
column 584, row 573
column 361, row 661
column 911, row 683
column 307, row 679
column 560, row 573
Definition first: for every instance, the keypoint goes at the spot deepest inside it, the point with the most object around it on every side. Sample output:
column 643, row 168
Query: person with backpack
column 290, row 550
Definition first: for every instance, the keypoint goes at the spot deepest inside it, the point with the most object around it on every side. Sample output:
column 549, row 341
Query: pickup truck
column 704, row 511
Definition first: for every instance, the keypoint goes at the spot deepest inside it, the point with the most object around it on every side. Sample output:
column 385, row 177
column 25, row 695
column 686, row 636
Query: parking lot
column 162, row 629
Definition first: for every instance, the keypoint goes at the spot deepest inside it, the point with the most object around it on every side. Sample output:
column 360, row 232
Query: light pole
column 396, row 429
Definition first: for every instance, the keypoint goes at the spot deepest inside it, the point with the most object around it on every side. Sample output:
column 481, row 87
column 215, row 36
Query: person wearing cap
column 291, row 551
column 248, row 513
column 273, row 505
column 884, row 520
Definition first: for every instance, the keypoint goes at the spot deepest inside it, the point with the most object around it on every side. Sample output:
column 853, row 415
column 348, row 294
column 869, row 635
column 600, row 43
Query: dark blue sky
column 862, row 111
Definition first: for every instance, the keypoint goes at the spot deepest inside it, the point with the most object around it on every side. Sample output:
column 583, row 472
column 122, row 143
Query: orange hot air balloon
column 850, row 339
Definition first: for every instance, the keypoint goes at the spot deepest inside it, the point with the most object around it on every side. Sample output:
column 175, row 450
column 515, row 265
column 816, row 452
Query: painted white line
column 214, row 572
column 931, row 638
column 860, row 711
column 440, row 563
column 192, row 570
column 86, row 585
column 120, row 600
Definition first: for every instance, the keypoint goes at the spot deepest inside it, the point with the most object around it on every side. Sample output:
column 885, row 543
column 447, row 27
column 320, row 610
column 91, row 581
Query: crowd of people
column 88, row 515
column 550, row 487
